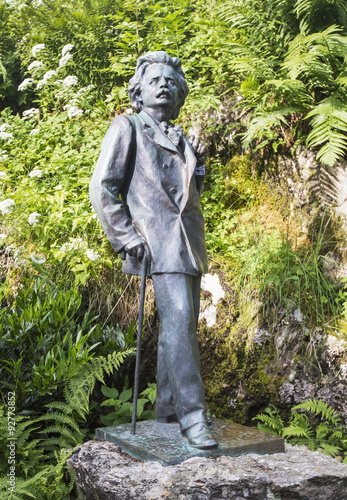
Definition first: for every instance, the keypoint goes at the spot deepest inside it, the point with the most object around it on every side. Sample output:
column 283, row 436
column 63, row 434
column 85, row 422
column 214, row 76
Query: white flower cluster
column 19, row 260
column 34, row 131
column 73, row 111
column 3, row 236
column 6, row 206
column 84, row 90
column 5, row 136
column 75, row 244
column 38, row 259
column 31, row 113
column 28, row 82
column 34, row 218
column 3, row 155
column 37, row 48
column 67, row 48
column 35, row 173
column 65, row 59
column 2, row 174
column 34, row 65
column 69, row 81
column 10, row 248
column 47, row 76
column 92, row 255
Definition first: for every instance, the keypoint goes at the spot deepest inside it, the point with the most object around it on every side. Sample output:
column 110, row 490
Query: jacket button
column 173, row 190
column 165, row 165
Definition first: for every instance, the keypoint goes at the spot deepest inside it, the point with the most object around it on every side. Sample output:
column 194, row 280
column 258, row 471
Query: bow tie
column 174, row 133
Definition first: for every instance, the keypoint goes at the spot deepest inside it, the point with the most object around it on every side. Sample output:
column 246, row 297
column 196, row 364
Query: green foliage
column 296, row 63
column 123, row 408
column 322, row 429
column 49, row 344
column 40, row 444
column 46, row 339
column 266, row 263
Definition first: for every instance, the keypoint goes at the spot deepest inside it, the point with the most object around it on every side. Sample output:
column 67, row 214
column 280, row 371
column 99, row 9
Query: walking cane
column 139, row 335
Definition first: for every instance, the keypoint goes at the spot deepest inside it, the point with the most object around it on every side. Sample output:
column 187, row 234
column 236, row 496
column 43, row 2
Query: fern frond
column 63, row 418
column 261, row 124
column 329, row 125
column 329, row 449
column 63, row 431
column 295, row 431
column 272, row 421
column 319, row 407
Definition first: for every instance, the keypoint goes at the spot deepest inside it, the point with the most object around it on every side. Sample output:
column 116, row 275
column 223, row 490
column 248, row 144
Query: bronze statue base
column 164, row 443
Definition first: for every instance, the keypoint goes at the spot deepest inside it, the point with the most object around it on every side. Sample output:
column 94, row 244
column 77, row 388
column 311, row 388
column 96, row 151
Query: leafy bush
column 123, row 408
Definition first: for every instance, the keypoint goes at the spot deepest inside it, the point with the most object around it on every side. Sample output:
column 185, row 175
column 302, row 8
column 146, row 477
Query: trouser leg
column 179, row 385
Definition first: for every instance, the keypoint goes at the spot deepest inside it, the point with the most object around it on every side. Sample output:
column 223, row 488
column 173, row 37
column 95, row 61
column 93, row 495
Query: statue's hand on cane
column 137, row 248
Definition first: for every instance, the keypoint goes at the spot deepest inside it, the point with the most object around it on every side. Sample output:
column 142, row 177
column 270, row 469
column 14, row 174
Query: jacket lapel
column 152, row 129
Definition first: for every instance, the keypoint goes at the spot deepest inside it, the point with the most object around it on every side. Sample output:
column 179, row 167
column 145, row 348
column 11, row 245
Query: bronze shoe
column 199, row 436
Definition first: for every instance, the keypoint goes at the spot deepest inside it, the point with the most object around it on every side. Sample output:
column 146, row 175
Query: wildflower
column 40, row 84
column 75, row 244
column 38, row 259
column 65, row 248
column 47, row 76
column 18, row 252
column 31, row 113
column 3, row 155
column 20, row 262
column 67, row 48
column 35, row 64
column 4, row 126
column 10, row 248
column 59, row 94
column 34, row 131
column 92, row 255
column 83, row 90
column 37, row 48
column 65, row 59
column 6, row 206
column 3, row 236
column 6, row 136
column 3, row 174
column 69, row 81
column 73, row 111
column 35, row 173
column 34, row 218
column 28, row 82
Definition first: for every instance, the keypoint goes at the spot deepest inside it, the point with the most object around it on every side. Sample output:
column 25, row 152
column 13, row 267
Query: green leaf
column 109, row 392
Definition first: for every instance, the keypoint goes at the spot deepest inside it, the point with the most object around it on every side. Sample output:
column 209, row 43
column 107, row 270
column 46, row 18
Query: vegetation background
column 278, row 72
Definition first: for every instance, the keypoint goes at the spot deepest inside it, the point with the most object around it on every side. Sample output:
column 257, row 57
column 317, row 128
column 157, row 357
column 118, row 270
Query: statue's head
column 160, row 57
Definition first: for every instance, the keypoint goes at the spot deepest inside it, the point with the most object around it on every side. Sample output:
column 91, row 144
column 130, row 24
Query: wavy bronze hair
column 135, row 83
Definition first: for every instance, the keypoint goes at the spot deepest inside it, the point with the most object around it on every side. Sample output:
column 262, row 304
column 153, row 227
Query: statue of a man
column 158, row 175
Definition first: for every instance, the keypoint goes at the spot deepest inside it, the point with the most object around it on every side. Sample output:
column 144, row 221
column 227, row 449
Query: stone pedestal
column 104, row 472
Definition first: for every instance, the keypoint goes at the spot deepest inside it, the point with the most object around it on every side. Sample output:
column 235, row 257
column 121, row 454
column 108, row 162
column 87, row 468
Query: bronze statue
column 158, row 175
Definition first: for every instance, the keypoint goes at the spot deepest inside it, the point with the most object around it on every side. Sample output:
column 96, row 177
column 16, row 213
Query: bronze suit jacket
column 159, row 196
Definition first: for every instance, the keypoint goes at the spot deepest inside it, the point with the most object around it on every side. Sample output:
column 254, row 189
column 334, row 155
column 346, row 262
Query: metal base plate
column 164, row 442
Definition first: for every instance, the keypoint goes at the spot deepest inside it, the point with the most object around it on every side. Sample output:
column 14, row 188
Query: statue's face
column 160, row 88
